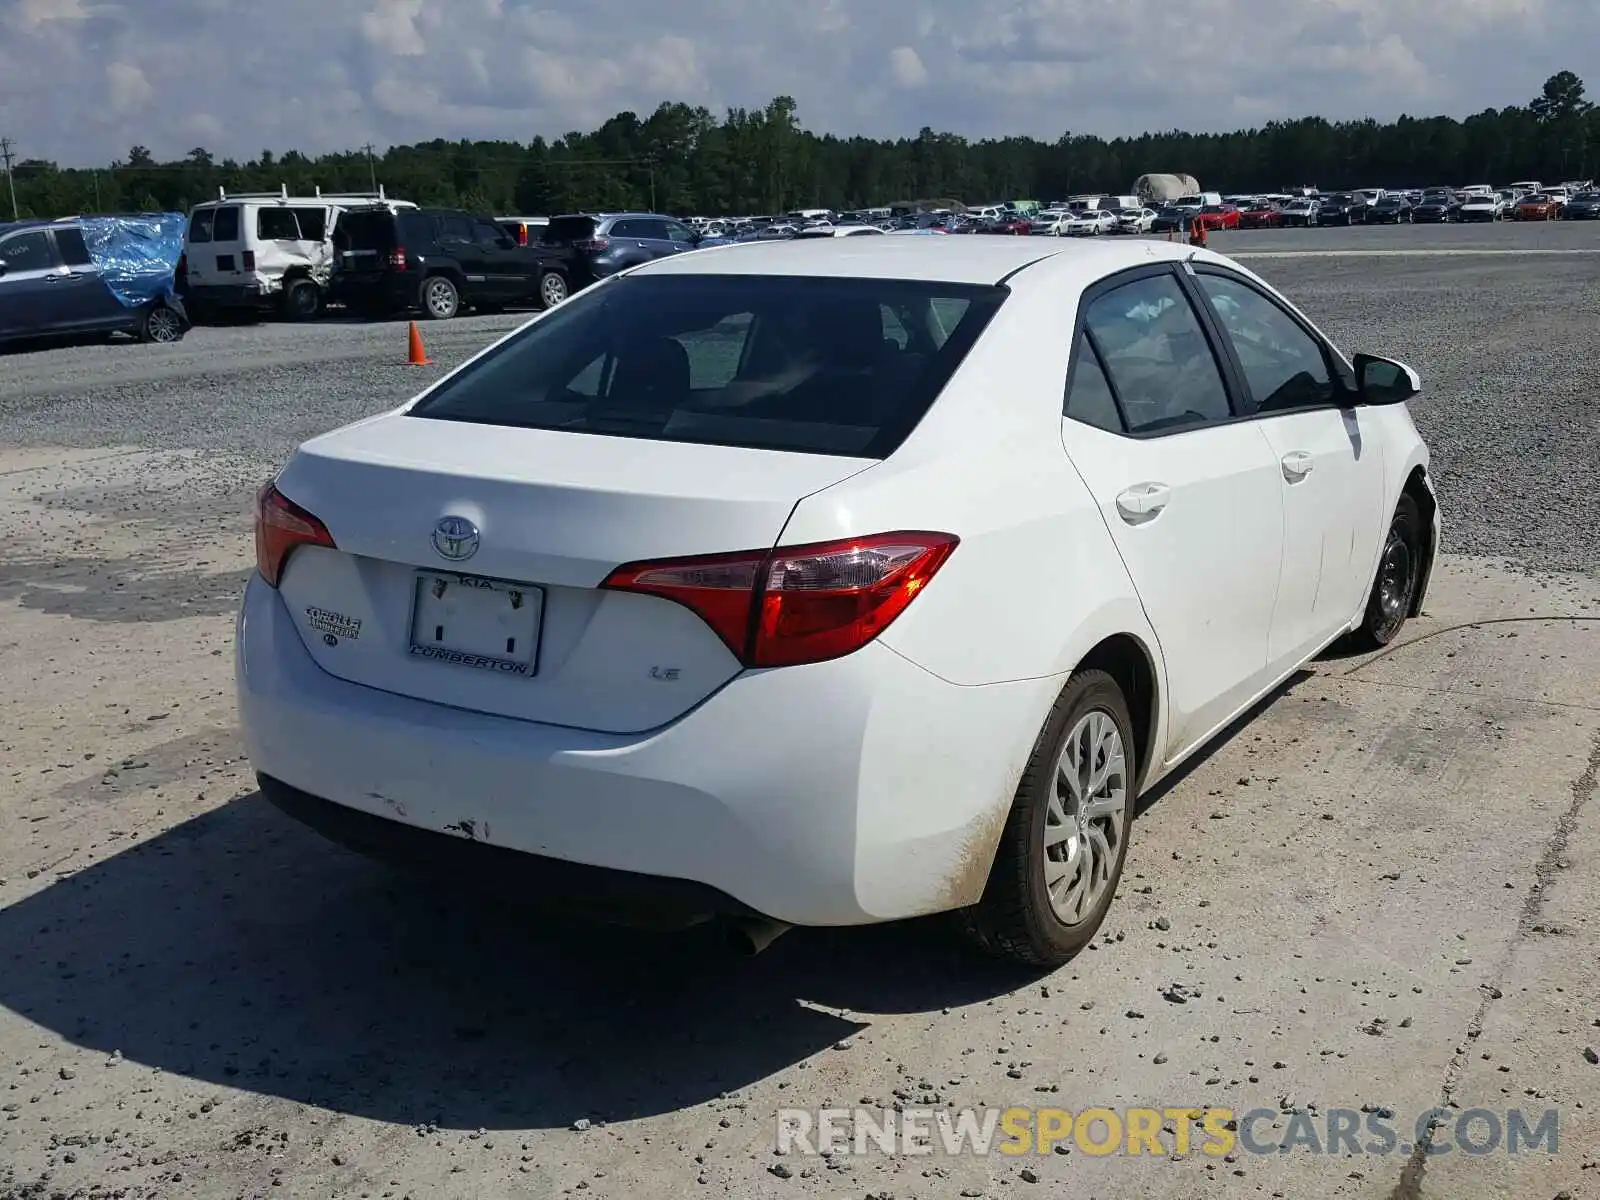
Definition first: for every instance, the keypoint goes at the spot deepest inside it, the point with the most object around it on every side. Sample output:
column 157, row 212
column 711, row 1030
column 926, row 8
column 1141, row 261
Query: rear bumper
column 470, row 864
column 840, row 793
column 389, row 289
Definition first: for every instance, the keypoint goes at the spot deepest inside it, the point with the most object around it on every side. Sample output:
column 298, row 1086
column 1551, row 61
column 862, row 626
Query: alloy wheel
column 1084, row 820
column 441, row 298
column 163, row 325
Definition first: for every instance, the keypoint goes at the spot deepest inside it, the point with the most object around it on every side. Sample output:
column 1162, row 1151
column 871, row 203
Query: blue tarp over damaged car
column 92, row 275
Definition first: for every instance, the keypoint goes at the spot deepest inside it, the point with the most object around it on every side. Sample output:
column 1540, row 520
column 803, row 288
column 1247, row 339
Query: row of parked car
column 1578, row 201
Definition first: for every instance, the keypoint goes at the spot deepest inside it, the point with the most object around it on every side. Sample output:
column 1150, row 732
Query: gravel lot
column 1378, row 892
column 1503, row 344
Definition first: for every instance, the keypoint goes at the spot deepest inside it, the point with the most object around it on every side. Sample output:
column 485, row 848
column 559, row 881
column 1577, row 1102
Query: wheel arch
column 1419, row 486
column 1128, row 660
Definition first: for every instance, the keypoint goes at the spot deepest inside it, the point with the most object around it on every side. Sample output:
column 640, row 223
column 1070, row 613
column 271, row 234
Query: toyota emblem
column 455, row 538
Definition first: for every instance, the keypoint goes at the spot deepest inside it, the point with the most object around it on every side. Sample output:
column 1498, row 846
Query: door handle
column 1297, row 465
column 1143, row 501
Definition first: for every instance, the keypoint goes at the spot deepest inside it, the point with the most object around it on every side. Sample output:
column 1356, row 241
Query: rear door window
column 768, row 362
column 313, row 223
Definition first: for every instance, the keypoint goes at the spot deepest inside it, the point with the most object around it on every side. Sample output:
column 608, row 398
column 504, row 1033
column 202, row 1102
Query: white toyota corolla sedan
column 827, row 584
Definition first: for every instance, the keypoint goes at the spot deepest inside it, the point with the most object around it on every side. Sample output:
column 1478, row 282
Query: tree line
column 685, row 160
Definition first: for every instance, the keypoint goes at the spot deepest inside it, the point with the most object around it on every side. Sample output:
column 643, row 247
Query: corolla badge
column 455, row 538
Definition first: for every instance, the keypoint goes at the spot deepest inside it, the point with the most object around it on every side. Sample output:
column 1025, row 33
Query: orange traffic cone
column 417, row 357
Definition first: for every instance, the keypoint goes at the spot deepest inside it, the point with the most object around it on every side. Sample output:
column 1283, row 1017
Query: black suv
column 1342, row 208
column 438, row 260
column 594, row 245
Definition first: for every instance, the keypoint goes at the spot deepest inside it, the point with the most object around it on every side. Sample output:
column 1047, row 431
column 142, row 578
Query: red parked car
column 1261, row 215
column 1020, row 226
column 1219, row 216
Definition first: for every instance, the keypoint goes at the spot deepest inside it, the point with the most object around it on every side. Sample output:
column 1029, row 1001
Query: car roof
column 973, row 259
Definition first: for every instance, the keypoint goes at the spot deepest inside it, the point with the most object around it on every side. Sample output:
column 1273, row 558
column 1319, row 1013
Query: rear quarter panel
column 1036, row 581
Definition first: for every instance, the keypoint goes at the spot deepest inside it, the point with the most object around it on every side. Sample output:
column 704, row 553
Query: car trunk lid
column 516, row 624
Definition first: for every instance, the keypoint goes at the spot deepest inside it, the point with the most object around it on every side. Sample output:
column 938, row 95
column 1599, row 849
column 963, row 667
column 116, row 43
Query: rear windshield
column 369, row 229
column 565, row 230
column 816, row 365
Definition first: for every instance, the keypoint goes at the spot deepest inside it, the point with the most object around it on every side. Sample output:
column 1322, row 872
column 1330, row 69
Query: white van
column 265, row 251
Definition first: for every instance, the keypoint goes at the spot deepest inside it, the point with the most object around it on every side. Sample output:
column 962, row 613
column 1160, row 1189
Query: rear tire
column 441, row 300
column 1399, row 570
column 553, row 289
column 1061, row 853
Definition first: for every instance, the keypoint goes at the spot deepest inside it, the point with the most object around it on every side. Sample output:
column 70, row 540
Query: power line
column 5, row 155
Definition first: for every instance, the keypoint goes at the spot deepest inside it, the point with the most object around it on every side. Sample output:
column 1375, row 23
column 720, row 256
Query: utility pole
column 372, row 169
column 5, row 155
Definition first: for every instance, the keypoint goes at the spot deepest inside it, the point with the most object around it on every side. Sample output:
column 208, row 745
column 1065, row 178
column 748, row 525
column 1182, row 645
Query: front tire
column 302, row 300
column 1061, row 853
column 1399, row 570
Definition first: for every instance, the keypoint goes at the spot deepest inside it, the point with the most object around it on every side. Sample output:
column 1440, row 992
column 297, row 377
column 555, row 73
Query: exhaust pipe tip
column 749, row 936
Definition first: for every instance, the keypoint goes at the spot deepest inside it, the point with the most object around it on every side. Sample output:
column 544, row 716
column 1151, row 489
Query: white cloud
column 392, row 26
column 33, row 13
column 905, row 67
column 126, row 85
column 318, row 75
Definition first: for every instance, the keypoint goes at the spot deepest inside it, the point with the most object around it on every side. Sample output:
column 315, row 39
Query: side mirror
column 1384, row 380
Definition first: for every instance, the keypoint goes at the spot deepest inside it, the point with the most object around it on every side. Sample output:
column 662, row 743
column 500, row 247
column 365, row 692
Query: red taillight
column 522, row 234
column 281, row 525
column 797, row 604
column 397, row 259
column 594, row 245
column 248, row 259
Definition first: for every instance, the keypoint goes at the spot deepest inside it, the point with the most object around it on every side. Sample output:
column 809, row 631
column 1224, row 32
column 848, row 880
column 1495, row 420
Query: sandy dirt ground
column 1380, row 890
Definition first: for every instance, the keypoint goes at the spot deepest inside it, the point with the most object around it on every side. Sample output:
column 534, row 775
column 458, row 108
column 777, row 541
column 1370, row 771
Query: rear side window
column 200, row 225
column 225, row 225
column 1089, row 396
column 1155, row 353
column 767, row 362
column 277, row 225
column 417, row 229
column 71, row 247
column 454, row 227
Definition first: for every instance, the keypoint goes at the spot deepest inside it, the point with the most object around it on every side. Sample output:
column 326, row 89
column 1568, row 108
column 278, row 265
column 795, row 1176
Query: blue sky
column 82, row 80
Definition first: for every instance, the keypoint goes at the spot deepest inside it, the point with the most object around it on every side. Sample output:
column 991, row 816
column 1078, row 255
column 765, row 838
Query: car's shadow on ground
column 241, row 949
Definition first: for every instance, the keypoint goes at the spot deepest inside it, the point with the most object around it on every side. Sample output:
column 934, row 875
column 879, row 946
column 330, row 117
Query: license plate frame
column 521, row 620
